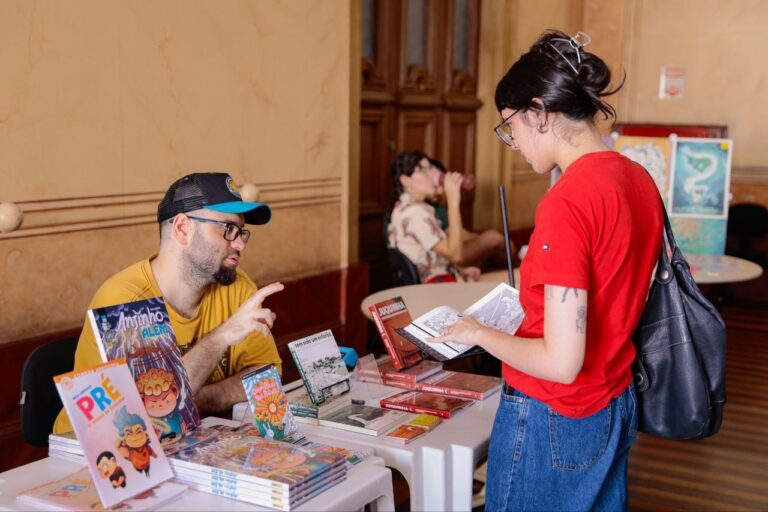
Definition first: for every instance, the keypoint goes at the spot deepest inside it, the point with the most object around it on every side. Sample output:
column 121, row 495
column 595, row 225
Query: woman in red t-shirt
column 568, row 415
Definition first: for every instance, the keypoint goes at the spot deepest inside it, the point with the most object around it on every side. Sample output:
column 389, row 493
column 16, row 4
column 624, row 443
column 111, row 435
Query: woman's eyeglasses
column 504, row 132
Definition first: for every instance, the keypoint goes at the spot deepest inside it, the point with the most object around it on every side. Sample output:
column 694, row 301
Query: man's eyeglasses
column 231, row 231
column 504, row 132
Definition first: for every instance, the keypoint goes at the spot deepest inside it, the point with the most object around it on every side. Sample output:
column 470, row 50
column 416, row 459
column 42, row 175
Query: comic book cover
column 268, row 403
column 77, row 491
column 363, row 419
column 121, row 448
column 321, row 366
column 405, row 433
column 388, row 316
column 140, row 332
column 430, row 403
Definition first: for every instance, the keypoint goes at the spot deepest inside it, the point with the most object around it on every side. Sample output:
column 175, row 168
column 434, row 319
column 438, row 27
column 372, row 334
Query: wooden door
column 418, row 92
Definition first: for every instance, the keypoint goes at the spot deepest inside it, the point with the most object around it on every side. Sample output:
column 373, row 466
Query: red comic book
column 390, row 315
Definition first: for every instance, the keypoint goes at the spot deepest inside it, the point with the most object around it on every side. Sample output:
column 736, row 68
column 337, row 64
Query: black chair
column 747, row 228
column 404, row 271
column 40, row 403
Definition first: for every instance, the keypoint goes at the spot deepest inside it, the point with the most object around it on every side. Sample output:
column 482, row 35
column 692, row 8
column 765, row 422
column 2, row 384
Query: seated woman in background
column 484, row 249
column 413, row 228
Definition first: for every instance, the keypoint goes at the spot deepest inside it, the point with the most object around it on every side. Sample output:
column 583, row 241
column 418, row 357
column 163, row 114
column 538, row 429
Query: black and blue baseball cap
column 215, row 191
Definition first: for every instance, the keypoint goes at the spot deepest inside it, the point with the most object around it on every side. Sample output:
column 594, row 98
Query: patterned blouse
column 414, row 231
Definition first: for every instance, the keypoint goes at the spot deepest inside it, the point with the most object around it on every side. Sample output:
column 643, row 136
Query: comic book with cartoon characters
column 121, row 448
column 77, row 491
column 140, row 332
column 269, row 405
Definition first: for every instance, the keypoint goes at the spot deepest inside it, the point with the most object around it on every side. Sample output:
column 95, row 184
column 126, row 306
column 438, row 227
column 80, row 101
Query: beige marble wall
column 721, row 46
column 103, row 103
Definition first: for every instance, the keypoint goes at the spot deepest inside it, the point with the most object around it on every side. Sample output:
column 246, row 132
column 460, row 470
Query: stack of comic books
column 140, row 332
column 327, row 384
column 387, row 372
column 430, row 403
column 118, row 443
column 243, row 465
column 362, row 419
column 461, row 384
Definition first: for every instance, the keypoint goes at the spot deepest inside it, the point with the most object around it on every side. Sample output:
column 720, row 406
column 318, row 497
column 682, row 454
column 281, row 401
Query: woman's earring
column 541, row 128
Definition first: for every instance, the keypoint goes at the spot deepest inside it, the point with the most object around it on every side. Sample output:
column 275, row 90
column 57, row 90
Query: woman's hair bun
column 563, row 74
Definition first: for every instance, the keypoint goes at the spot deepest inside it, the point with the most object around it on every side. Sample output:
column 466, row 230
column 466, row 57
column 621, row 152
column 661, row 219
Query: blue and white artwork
column 701, row 173
column 699, row 235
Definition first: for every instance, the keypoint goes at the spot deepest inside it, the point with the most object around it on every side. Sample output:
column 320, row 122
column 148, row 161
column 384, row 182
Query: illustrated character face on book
column 159, row 391
column 108, row 468
column 133, row 441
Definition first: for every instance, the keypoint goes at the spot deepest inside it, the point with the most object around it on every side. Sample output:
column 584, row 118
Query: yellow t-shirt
column 219, row 302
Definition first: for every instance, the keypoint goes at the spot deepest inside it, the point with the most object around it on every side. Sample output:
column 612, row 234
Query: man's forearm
column 202, row 359
column 218, row 398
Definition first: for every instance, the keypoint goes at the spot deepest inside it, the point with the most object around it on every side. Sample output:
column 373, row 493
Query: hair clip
column 577, row 42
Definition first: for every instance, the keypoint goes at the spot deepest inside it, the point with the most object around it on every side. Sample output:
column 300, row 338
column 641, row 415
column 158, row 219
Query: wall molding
column 749, row 175
column 72, row 214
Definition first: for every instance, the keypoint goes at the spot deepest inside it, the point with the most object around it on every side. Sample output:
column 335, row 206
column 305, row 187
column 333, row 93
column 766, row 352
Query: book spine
column 97, row 335
column 400, row 384
column 297, row 362
column 394, row 356
column 415, row 408
column 445, row 390
column 397, row 377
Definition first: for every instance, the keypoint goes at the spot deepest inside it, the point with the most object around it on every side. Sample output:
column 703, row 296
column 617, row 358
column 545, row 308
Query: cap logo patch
column 232, row 187
column 545, row 247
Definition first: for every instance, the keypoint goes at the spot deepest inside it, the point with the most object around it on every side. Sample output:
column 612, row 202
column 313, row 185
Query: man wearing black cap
column 215, row 308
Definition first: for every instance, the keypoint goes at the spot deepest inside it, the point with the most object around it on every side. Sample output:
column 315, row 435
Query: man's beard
column 225, row 275
column 202, row 267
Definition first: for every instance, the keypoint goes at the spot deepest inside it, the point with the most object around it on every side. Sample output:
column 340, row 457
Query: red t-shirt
column 598, row 229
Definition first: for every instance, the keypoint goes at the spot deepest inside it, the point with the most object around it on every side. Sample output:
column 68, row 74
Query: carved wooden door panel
column 418, row 92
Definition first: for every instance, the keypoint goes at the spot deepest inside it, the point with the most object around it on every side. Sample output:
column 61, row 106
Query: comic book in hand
column 389, row 315
column 320, row 365
column 499, row 309
column 140, row 332
column 121, row 448
column 268, row 403
column 77, row 491
column 430, row 403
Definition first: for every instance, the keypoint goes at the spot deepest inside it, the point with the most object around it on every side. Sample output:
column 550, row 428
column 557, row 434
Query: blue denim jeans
column 539, row 459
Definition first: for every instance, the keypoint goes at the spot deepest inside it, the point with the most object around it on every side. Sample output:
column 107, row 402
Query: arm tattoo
column 565, row 293
column 581, row 319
